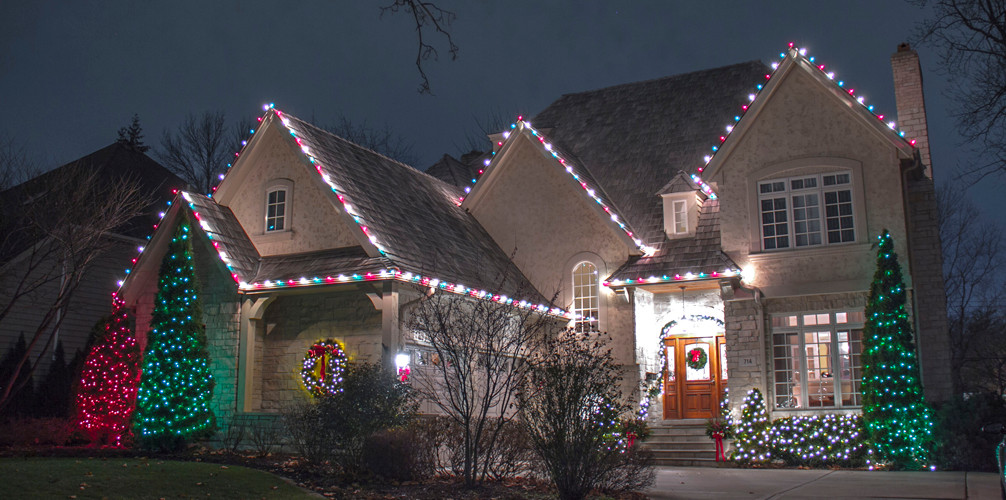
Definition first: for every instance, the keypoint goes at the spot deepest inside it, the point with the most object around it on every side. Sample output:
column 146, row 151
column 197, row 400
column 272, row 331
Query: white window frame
column 833, row 213
column 586, row 297
column 797, row 393
column 286, row 187
column 680, row 209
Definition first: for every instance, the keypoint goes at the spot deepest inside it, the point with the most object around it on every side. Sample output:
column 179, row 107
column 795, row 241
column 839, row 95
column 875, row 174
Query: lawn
column 136, row 478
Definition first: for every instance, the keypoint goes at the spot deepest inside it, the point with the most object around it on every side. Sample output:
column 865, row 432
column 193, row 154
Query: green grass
column 136, row 478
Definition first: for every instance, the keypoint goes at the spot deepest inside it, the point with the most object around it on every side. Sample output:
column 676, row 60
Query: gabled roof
column 684, row 258
column 416, row 231
column 578, row 175
column 110, row 165
column 633, row 138
column 411, row 217
column 453, row 171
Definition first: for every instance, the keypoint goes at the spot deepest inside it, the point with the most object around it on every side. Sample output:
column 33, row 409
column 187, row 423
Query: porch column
column 391, row 331
column 252, row 311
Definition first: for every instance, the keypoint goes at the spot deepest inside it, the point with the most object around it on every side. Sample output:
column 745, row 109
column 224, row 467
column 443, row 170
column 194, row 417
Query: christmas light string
column 377, row 274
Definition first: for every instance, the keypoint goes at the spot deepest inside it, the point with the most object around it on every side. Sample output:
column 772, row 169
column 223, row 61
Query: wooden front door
column 690, row 392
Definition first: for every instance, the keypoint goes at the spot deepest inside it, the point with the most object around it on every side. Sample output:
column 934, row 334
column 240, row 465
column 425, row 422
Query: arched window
column 278, row 201
column 585, row 297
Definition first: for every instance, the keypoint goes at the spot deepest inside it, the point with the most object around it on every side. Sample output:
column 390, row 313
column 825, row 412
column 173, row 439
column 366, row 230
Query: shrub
column 37, row 432
column 819, row 440
column 394, row 454
column 431, row 434
column 752, row 443
column 571, row 405
column 335, row 427
column 961, row 443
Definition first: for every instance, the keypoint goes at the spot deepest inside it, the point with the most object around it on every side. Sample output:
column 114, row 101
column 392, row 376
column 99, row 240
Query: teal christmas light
column 173, row 403
column 898, row 420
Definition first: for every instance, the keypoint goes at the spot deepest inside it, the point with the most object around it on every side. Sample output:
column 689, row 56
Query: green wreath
column 696, row 359
column 323, row 368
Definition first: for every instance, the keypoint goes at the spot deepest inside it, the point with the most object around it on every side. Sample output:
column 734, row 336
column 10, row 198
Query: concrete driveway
column 696, row 483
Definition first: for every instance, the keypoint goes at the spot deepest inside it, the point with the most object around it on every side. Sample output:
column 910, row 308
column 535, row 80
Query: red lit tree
column 106, row 397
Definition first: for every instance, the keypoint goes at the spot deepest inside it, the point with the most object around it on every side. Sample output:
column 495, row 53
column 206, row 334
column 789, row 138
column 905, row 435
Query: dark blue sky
column 72, row 73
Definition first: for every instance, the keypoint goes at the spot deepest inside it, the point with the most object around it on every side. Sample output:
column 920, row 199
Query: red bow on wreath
column 696, row 354
column 319, row 351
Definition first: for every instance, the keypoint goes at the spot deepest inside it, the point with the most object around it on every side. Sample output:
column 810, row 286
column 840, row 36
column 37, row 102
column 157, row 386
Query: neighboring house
column 27, row 262
column 758, row 255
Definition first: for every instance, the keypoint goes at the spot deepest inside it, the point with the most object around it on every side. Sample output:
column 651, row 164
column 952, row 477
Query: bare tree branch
column 428, row 17
column 479, row 352
column 199, row 150
column 971, row 37
column 57, row 226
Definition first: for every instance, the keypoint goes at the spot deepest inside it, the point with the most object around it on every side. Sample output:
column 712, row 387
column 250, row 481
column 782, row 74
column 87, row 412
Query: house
column 736, row 257
column 33, row 270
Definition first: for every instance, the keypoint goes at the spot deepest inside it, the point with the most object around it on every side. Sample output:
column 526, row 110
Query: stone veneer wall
column 293, row 323
column 747, row 356
column 221, row 314
column 930, row 303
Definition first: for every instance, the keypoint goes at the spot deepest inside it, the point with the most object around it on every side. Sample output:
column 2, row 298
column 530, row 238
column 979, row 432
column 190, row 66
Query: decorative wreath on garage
column 323, row 367
column 696, row 359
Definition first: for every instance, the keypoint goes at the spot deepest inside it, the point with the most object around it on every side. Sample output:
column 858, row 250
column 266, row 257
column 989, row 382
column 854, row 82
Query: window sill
column 272, row 236
column 825, row 250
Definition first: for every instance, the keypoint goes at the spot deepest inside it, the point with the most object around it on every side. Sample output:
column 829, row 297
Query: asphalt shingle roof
column 634, row 138
column 414, row 217
column 699, row 254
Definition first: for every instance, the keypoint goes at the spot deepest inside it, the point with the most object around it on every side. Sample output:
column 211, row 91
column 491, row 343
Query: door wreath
column 696, row 359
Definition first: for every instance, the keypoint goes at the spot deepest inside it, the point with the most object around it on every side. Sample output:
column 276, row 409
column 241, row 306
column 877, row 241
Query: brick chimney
column 910, row 100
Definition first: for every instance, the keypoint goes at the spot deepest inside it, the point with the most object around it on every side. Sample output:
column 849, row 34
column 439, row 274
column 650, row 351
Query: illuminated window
column 816, row 359
column 275, row 211
column 680, row 217
column 806, row 211
column 585, row 297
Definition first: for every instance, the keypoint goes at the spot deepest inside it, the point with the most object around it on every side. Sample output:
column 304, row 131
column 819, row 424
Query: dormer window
column 680, row 217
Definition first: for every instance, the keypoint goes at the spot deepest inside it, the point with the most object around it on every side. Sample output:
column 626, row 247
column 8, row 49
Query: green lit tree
column 898, row 420
column 173, row 403
column 752, row 437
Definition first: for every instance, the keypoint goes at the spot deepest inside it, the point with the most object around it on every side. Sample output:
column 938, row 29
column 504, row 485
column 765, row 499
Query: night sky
column 72, row 73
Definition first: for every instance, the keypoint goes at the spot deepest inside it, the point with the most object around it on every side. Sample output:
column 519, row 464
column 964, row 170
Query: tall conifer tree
column 897, row 418
column 173, row 405
column 106, row 396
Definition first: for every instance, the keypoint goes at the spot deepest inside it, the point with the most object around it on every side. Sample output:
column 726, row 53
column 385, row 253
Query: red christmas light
column 107, row 395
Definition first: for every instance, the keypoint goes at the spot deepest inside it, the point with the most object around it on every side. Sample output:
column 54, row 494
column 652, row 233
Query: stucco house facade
column 730, row 211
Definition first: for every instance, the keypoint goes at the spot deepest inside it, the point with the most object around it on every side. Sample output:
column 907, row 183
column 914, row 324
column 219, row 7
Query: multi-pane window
column 816, row 359
column 585, row 297
column 680, row 217
column 275, row 211
column 792, row 215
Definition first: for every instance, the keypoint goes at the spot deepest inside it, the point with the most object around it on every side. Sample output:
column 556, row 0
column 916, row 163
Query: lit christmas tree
column 173, row 405
column 752, row 435
column 897, row 418
column 107, row 393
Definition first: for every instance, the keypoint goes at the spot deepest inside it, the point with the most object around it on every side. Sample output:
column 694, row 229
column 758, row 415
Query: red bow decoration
column 695, row 355
column 320, row 351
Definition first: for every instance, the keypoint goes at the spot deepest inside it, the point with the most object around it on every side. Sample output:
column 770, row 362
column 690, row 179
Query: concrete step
column 684, row 453
column 691, row 462
column 682, row 443
column 669, row 440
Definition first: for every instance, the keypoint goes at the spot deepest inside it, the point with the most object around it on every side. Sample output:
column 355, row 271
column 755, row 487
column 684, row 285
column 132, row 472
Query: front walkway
column 701, row 482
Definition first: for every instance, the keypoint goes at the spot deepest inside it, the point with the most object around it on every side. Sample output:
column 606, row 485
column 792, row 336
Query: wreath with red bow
column 696, row 359
column 323, row 367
